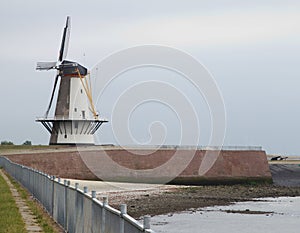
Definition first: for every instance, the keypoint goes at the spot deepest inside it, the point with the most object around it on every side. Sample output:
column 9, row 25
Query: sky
column 251, row 49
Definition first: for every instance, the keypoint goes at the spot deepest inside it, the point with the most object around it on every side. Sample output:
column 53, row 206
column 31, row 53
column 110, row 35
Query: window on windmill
column 81, row 91
column 65, row 136
column 75, row 109
column 83, row 114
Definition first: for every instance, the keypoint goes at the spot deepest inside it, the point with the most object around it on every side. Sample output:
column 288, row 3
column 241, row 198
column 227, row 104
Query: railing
column 75, row 210
column 187, row 147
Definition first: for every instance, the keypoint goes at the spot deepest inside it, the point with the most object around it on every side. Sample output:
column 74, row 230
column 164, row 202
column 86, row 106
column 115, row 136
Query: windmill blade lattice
column 65, row 40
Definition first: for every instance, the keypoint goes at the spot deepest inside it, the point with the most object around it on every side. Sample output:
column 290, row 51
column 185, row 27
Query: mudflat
column 193, row 197
column 286, row 182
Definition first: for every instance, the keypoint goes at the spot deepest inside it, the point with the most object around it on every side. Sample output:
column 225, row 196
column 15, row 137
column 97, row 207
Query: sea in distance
column 263, row 215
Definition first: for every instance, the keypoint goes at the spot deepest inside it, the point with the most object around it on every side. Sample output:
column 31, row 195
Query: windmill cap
column 71, row 68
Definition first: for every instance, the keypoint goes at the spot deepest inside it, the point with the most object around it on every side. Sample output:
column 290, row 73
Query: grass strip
column 10, row 218
column 44, row 220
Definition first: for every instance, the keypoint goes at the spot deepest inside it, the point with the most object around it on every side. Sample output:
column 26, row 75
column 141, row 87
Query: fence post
column 33, row 182
column 105, row 202
column 85, row 189
column 66, row 205
column 93, row 214
column 29, row 180
column 147, row 222
column 52, row 205
column 123, row 209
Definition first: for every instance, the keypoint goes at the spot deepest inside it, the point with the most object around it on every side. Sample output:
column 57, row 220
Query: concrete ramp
column 286, row 174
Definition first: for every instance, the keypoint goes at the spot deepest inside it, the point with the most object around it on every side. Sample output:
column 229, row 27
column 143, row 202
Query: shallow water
column 285, row 217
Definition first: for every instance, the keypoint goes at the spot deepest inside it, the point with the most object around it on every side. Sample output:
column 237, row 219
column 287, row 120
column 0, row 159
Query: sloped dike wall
column 231, row 166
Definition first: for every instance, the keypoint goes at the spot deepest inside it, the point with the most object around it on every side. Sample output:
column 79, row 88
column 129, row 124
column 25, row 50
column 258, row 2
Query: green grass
column 21, row 147
column 10, row 219
column 43, row 219
column 11, row 149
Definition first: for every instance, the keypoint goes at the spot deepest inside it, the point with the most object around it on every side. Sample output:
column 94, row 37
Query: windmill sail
column 65, row 40
column 62, row 55
column 63, row 49
column 52, row 95
column 45, row 65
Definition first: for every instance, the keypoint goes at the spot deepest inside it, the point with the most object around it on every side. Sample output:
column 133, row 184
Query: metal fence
column 74, row 209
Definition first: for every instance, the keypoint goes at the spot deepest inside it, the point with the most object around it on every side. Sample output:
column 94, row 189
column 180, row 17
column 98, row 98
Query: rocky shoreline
column 193, row 197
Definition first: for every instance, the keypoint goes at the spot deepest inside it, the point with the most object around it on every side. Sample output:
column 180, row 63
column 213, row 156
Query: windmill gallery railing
column 75, row 210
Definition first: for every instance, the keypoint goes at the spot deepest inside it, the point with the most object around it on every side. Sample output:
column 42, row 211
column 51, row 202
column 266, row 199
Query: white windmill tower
column 72, row 123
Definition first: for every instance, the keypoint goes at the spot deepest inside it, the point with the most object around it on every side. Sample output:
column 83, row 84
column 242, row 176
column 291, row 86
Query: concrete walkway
column 29, row 219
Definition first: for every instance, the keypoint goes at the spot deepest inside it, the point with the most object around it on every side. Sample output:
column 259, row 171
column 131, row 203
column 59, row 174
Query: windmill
column 72, row 122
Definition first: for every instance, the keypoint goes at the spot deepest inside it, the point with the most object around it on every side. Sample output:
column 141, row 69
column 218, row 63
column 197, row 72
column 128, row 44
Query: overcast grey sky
column 251, row 49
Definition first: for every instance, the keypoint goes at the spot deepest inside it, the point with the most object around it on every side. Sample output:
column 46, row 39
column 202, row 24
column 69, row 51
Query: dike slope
column 176, row 166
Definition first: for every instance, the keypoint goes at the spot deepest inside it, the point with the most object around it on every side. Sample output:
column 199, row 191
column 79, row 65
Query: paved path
column 121, row 192
column 29, row 219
